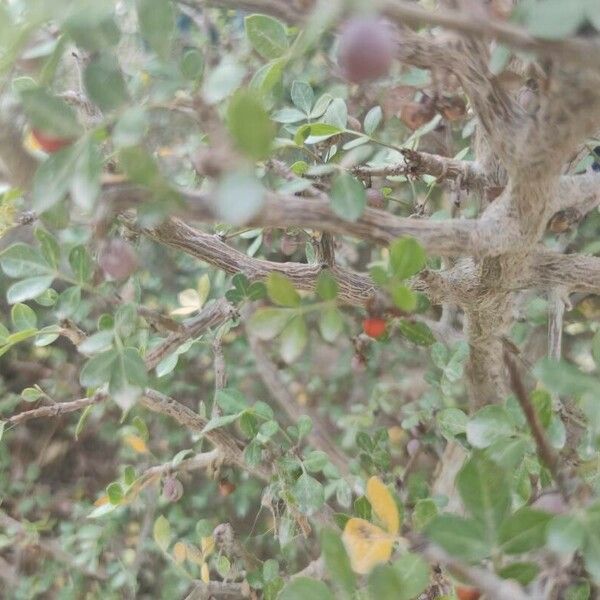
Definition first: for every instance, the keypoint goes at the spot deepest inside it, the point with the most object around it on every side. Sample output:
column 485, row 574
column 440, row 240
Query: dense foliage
column 229, row 363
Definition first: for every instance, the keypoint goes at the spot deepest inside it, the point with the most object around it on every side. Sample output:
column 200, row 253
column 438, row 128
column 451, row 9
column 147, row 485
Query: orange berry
column 374, row 327
column 467, row 593
column 49, row 143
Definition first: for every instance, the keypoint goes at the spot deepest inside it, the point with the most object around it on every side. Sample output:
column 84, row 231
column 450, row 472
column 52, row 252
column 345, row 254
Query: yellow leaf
column 367, row 545
column 383, row 504
column 190, row 302
column 204, row 573
column 194, row 555
column 208, row 545
column 179, row 552
column 136, row 443
column 101, row 501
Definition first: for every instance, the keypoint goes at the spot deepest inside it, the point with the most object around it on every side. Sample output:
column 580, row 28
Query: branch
column 578, row 50
column 416, row 164
column 354, row 289
column 56, row 410
column 230, row 447
column 210, row 316
column 218, row 589
column 545, row 452
column 444, row 237
column 573, row 272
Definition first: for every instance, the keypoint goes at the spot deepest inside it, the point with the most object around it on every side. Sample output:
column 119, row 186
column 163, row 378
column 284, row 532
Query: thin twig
column 547, row 455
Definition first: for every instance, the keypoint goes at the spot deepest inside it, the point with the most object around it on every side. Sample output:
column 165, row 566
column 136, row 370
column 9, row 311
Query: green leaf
column 31, row 394
column 23, row 317
column 104, row 83
column 81, row 264
column 140, row 167
column 416, row 332
column 565, row 534
column 240, row 196
column 331, row 324
column 288, row 115
column 309, row 494
column 131, row 127
column 53, row 177
column 462, row 538
column 115, row 493
column 523, row 572
column 508, row 453
column 336, row 114
column 579, row 591
column 489, row 424
column 281, row 290
column 222, row 81
column 157, row 24
column 267, row 35
column 304, row 425
column 231, row 400
column 97, row 370
column 413, row 573
column 372, row 120
column 49, row 247
column 29, row 288
column 250, row 125
column 485, row 492
column 293, row 339
column 267, row 323
column 523, row 531
column 268, row 78
column 21, row 260
column 92, row 26
column 83, row 419
column 313, row 132
column 554, row 19
column 407, row 258
column 452, row 422
column 192, row 64
column 218, row 422
column 85, row 183
column 327, row 287
column 425, row 510
column 301, row 588
column 384, row 583
column 303, row 96
column 50, row 114
column 563, row 378
column 162, row 533
column 348, row 197
column 404, row 298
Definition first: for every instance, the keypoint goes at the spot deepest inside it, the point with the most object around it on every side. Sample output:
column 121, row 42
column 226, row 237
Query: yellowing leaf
column 162, row 533
column 190, row 302
column 194, row 555
column 367, row 545
column 203, row 288
column 179, row 552
column 383, row 504
column 101, row 501
column 204, row 573
column 208, row 545
column 136, row 443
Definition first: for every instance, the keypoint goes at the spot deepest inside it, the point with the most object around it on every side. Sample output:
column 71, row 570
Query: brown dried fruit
column 415, row 115
column 172, row 489
column 118, row 259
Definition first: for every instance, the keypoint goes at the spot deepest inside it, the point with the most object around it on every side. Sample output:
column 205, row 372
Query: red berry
column 49, row 143
column 366, row 49
column 226, row 487
column 467, row 593
column 374, row 327
column 118, row 259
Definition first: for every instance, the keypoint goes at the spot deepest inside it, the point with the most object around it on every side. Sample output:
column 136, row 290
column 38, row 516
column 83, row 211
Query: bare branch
column 56, row 410
column 573, row 272
column 420, row 163
column 354, row 288
column 545, row 452
column 556, row 310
